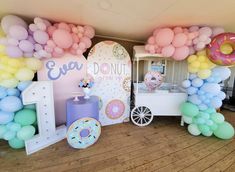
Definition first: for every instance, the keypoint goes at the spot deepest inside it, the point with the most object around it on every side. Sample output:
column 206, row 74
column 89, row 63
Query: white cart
column 162, row 102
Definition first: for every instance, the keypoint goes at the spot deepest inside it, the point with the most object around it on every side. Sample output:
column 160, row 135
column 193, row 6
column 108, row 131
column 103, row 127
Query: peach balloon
column 164, row 37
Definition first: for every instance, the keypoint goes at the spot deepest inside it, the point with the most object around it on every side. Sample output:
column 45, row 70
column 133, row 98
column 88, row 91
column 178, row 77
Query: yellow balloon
column 226, row 48
column 15, row 63
column 201, row 58
column 204, row 65
column 201, row 53
column 192, row 58
column 9, row 83
column 203, row 74
column 12, row 70
column 195, row 64
column 33, row 64
column 24, row 74
column 6, row 75
column 192, row 70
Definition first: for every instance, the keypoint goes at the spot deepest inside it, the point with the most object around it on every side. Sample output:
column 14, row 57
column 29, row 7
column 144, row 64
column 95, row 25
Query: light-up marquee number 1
column 41, row 94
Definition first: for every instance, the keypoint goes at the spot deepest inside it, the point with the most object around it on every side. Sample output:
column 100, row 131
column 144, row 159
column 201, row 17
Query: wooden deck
column 162, row 146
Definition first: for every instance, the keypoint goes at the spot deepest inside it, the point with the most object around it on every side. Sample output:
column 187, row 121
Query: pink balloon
column 59, row 50
column 74, row 29
column 14, row 51
column 89, row 31
column 191, row 50
column 40, row 37
column 146, row 47
column 79, row 52
column 73, row 51
column 48, row 49
column 208, row 40
column 193, row 28
column 178, row 30
column 205, row 31
column 168, row 51
column 152, row 49
column 64, row 26
column 50, row 30
column 80, row 29
column 179, row 40
column 181, row 53
column 82, row 46
column 62, row 38
column 54, row 54
column 51, row 43
column 155, row 32
column 159, row 50
column 192, row 35
column 87, row 41
column 195, row 41
column 75, row 46
column 75, row 37
column 26, row 46
column 151, row 40
column 164, row 37
column 200, row 46
column 217, row 31
column 202, row 38
column 189, row 42
column 18, row 32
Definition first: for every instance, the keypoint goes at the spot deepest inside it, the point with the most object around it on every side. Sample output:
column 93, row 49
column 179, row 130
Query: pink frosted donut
column 104, row 68
column 153, row 79
column 115, row 109
column 214, row 53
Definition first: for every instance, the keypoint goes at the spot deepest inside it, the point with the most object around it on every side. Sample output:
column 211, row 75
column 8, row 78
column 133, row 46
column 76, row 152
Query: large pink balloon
column 181, row 53
column 179, row 40
column 18, row 32
column 40, row 37
column 164, row 37
column 10, row 20
column 89, row 31
column 62, row 38
column 168, row 51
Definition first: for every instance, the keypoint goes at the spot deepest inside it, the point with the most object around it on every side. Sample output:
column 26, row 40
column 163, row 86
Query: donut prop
column 221, row 50
column 115, row 109
column 83, row 133
column 153, row 80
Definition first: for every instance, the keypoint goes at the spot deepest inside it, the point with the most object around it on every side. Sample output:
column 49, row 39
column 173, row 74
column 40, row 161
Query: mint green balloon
column 194, row 130
column 9, row 135
column 189, row 109
column 203, row 128
column 26, row 132
column 16, row 143
column 207, row 133
column 217, row 118
column 187, row 119
column 224, row 131
column 204, row 115
column 214, row 126
column 210, row 110
column 25, row 117
column 13, row 126
column 3, row 130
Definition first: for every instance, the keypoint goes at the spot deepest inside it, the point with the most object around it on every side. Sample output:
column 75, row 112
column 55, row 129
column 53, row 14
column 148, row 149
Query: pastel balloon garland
column 179, row 42
column 41, row 39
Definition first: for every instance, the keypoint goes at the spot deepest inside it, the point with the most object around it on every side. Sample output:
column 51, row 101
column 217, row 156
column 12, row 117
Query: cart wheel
column 141, row 116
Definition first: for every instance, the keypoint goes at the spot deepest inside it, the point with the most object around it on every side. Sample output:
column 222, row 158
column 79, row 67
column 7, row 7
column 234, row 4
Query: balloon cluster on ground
column 179, row 42
column 41, row 39
column 17, row 122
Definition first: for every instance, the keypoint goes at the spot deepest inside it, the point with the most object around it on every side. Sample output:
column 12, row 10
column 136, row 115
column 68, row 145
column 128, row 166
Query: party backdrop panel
column 109, row 63
column 65, row 72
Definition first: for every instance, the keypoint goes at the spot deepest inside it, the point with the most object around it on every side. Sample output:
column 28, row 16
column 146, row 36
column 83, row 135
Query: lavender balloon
column 14, row 51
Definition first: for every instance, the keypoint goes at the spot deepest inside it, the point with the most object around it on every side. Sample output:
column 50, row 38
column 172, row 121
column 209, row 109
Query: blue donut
column 83, row 133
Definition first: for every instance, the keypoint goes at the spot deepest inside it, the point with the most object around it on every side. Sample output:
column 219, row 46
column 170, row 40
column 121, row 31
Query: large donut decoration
column 83, row 133
column 214, row 49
